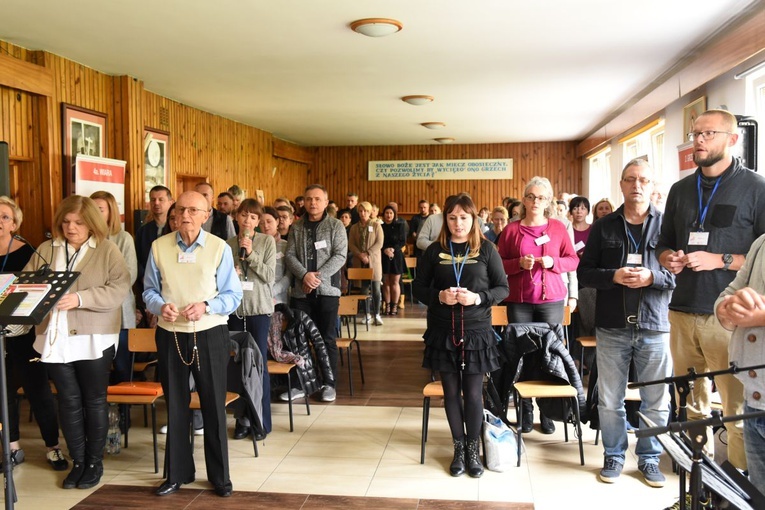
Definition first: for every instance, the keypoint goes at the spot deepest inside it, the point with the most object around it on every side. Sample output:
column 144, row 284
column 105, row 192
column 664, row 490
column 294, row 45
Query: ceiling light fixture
column 444, row 140
column 433, row 125
column 376, row 27
column 417, row 100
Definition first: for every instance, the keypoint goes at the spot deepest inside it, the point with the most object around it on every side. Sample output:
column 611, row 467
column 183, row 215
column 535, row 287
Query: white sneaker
column 378, row 320
column 367, row 319
column 199, row 432
column 328, row 394
column 296, row 394
column 163, row 429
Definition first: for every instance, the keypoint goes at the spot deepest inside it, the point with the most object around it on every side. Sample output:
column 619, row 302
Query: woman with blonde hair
column 459, row 278
column 107, row 204
column 602, row 207
column 536, row 251
column 365, row 240
column 78, row 339
column 21, row 371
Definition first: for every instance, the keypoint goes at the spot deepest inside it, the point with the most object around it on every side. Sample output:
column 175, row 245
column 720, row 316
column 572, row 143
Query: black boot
column 548, row 427
column 92, row 475
column 527, row 410
column 78, row 468
column 474, row 465
column 458, row 464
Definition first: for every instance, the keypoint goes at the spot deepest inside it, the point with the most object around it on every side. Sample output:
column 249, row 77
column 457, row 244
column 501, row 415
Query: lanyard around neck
column 632, row 239
column 70, row 263
column 703, row 210
column 457, row 268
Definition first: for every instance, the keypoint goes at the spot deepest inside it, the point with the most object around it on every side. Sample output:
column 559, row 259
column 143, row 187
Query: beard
column 710, row 160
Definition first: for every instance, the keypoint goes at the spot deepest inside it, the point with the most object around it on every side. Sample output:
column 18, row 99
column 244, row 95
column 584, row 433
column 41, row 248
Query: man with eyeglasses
column 711, row 219
column 192, row 287
column 633, row 293
column 218, row 223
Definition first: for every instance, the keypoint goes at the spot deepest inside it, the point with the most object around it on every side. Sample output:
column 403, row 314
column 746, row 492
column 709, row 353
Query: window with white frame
column 647, row 144
column 600, row 176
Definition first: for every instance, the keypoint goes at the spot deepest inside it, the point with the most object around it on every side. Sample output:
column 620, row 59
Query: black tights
column 470, row 415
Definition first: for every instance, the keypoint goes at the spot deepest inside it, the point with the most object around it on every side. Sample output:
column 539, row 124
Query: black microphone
column 243, row 251
column 44, row 268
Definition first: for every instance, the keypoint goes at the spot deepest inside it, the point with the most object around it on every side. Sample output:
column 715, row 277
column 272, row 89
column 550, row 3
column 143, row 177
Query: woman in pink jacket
column 535, row 252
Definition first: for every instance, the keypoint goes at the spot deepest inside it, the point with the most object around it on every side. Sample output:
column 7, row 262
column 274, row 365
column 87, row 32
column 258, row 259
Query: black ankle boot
column 527, row 411
column 474, row 465
column 458, row 464
column 92, row 475
column 78, row 468
column 548, row 427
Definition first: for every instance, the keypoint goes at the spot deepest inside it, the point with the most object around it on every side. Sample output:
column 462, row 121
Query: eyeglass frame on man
column 644, row 181
column 193, row 211
column 707, row 135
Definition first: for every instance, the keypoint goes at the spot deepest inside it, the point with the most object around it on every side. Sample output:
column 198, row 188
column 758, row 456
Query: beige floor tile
column 345, row 485
column 361, row 450
column 447, row 487
column 340, row 466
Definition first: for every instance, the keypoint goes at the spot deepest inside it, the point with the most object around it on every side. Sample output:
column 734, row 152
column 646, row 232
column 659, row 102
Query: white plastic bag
column 499, row 442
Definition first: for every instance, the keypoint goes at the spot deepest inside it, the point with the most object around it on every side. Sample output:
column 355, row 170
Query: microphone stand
column 10, row 489
column 698, row 438
column 683, row 386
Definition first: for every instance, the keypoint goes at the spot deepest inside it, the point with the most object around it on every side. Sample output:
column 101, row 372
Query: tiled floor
column 369, row 446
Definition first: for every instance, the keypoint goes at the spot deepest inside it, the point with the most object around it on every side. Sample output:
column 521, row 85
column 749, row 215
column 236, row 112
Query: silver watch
column 727, row 259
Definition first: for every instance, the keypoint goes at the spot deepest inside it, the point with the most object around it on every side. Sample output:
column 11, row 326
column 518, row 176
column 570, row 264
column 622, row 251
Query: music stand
column 704, row 471
column 60, row 282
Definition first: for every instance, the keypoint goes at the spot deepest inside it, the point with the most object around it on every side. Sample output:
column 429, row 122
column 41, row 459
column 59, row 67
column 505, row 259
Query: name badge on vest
column 542, row 240
column 248, row 285
column 371, row 228
column 579, row 246
column 320, row 244
column 698, row 238
column 279, row 255
column 635, row 259
column 187, row 258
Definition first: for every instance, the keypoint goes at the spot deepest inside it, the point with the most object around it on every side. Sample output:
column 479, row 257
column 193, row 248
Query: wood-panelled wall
column 344, row 169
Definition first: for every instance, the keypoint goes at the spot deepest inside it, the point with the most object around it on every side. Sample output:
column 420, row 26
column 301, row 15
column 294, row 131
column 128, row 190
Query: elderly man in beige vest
column 191, row 285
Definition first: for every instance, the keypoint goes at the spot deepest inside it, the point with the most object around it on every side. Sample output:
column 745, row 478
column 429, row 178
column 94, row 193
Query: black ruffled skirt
column 481, row 352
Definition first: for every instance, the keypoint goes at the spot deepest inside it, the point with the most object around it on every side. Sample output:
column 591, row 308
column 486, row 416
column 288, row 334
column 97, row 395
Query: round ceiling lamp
column 376, row 27
column 418, row 100
column 444, row 140
column 433, row 125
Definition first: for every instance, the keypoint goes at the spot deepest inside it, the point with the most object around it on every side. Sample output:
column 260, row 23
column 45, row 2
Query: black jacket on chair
column 302, row 334
column 245, row 377
column 535, row 351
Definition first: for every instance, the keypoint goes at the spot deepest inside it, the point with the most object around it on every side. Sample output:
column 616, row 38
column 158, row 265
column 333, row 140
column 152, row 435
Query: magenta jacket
column 559, row 248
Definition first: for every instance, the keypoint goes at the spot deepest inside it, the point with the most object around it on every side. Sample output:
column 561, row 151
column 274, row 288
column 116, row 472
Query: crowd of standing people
column 667, row 288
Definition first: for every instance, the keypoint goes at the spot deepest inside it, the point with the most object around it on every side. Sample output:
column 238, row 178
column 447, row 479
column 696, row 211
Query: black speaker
column 5, row 170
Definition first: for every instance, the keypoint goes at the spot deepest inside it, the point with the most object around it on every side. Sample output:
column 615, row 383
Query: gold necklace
column 194, row 354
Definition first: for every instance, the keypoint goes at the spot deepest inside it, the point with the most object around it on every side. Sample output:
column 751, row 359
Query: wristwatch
column 208, row 311
column 727, row 259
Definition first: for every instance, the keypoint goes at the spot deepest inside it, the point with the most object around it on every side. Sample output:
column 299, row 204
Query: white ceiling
column 500, row 70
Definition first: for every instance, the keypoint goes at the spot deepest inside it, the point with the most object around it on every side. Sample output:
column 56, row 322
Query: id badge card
column 320, row 244
column 187, row 258
column 635, row 259
column 698, row 239
column 370, row 228
column 579, row 246
column 248, row 285
column 542, row 240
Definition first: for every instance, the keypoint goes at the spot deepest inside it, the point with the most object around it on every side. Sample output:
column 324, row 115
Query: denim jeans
column 650, row 352
column 754, row 445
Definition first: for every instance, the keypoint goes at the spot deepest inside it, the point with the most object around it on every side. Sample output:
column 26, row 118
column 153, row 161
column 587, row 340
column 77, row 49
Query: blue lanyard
column 703, row 210
column 636, row 244
column 457, row 275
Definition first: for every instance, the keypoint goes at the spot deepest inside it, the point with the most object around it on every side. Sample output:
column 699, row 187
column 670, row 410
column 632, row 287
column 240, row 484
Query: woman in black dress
column 393, row 264
column 459, row 278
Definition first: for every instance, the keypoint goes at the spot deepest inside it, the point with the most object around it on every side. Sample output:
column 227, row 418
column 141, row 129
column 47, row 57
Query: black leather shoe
column 240, row 431
column 168, row 487
column 224, row 491
column 92, row 475
column 528, row 422
column 548, row 427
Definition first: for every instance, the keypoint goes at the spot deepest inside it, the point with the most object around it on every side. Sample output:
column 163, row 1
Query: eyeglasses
column 6, row 219
column 705, row 135
column 644, row 181
column 193, row 211
column 531, row 197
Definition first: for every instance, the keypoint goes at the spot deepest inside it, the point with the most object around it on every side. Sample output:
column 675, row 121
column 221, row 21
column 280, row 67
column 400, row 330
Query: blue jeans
column 650, row 352
column 754, row 445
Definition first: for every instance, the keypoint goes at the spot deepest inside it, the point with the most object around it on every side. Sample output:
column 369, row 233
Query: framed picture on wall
column 691, row 112
column 84, row 133
column 156, row 161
